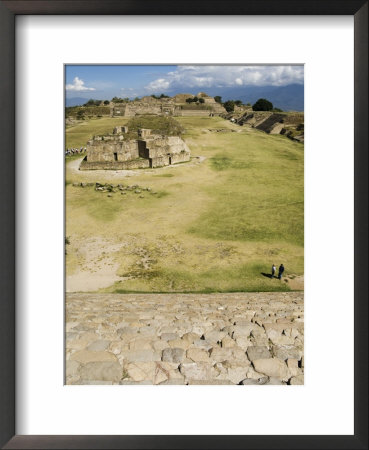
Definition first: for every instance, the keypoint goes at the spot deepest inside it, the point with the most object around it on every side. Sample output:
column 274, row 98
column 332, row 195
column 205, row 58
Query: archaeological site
column 116, row 151
column 173, row 106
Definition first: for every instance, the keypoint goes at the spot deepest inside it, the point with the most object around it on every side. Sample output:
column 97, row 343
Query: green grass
column 158, row 124
column 165, row 175
column 261, row 194
column 77, row 136
column 239, row 278
column 211, row 227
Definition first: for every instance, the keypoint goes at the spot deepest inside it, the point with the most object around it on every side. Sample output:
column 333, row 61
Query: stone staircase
column 232, row 338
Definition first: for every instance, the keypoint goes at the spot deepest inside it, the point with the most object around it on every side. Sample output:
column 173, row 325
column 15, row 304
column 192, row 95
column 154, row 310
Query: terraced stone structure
column 171, row 106
column 231, row 338
column 116, row 152
column 290, row 124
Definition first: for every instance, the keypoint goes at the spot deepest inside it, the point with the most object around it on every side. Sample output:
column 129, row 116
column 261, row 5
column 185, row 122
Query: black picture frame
column 8, row 11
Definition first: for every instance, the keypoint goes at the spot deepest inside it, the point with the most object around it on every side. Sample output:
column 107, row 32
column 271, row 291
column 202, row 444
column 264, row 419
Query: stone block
column 175, row 355
column 299, row 380
column 86, row 356
column 142, row 356
column 98, row 346
column 102, row 371
column 258, row 352
column 197, row 371
column 272, row 367
column 197, row 354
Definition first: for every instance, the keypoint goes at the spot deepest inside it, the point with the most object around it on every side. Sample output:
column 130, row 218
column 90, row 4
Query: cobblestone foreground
column 237, row 338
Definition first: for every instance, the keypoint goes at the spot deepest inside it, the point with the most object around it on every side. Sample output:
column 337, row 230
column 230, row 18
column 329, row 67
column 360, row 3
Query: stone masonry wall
column 180, row 157
column 115, row 165
column 107, row 150
column 160, row 161
column 193, row 113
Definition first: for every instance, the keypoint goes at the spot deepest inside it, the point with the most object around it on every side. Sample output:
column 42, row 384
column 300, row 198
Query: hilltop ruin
column 117, row 152
column 171, row 106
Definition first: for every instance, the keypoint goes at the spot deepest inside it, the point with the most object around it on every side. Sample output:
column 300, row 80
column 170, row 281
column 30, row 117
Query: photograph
column 184, row 224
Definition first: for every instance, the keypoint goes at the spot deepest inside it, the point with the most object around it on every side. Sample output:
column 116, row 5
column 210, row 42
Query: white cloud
column 78, row 85
column 227, row 76
column 160, row 84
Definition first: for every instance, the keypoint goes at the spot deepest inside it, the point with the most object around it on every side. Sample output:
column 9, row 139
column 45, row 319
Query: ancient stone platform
column 233, row 338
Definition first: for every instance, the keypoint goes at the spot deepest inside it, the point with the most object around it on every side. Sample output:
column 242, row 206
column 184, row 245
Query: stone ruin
column 290, row 124
column 172, row 106
column 116, row 152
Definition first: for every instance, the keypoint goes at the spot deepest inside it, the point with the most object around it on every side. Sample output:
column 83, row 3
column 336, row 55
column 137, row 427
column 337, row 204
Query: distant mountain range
column 288, row 98
column 75, row 101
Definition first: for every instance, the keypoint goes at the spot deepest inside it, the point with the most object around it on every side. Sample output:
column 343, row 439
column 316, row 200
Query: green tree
column 238, row 102
column 262, row 105
column 201, row 100
column 189, row 100
column 106, row 102
column 116, row 100
column 218, row 99
column 229, row 105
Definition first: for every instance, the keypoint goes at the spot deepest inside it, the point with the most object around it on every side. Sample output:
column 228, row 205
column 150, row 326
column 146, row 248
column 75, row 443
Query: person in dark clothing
column 280, row 271
column 273, row 270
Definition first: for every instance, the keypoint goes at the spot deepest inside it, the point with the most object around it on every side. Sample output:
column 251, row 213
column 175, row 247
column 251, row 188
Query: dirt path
column 295, row 282
column 96, row 266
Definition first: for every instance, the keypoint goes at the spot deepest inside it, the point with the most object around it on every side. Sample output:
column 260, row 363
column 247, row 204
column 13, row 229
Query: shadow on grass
column 268, row 275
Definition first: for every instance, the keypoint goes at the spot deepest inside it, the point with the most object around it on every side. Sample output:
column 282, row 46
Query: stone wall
column 118, row 109
column 112, row 150
column 142, row 109
column 193, row 113
column 115, row 165
column 180, row 157
column 160, row 161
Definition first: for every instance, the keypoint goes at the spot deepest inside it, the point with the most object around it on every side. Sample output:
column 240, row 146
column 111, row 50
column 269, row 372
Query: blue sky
column 104, row 81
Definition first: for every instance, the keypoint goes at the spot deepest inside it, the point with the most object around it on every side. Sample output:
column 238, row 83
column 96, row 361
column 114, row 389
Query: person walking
column 273, row 270
column 280, row 271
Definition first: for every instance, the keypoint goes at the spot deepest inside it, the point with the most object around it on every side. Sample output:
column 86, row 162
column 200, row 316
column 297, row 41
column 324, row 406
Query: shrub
column 92, row 102
column 120, row 100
